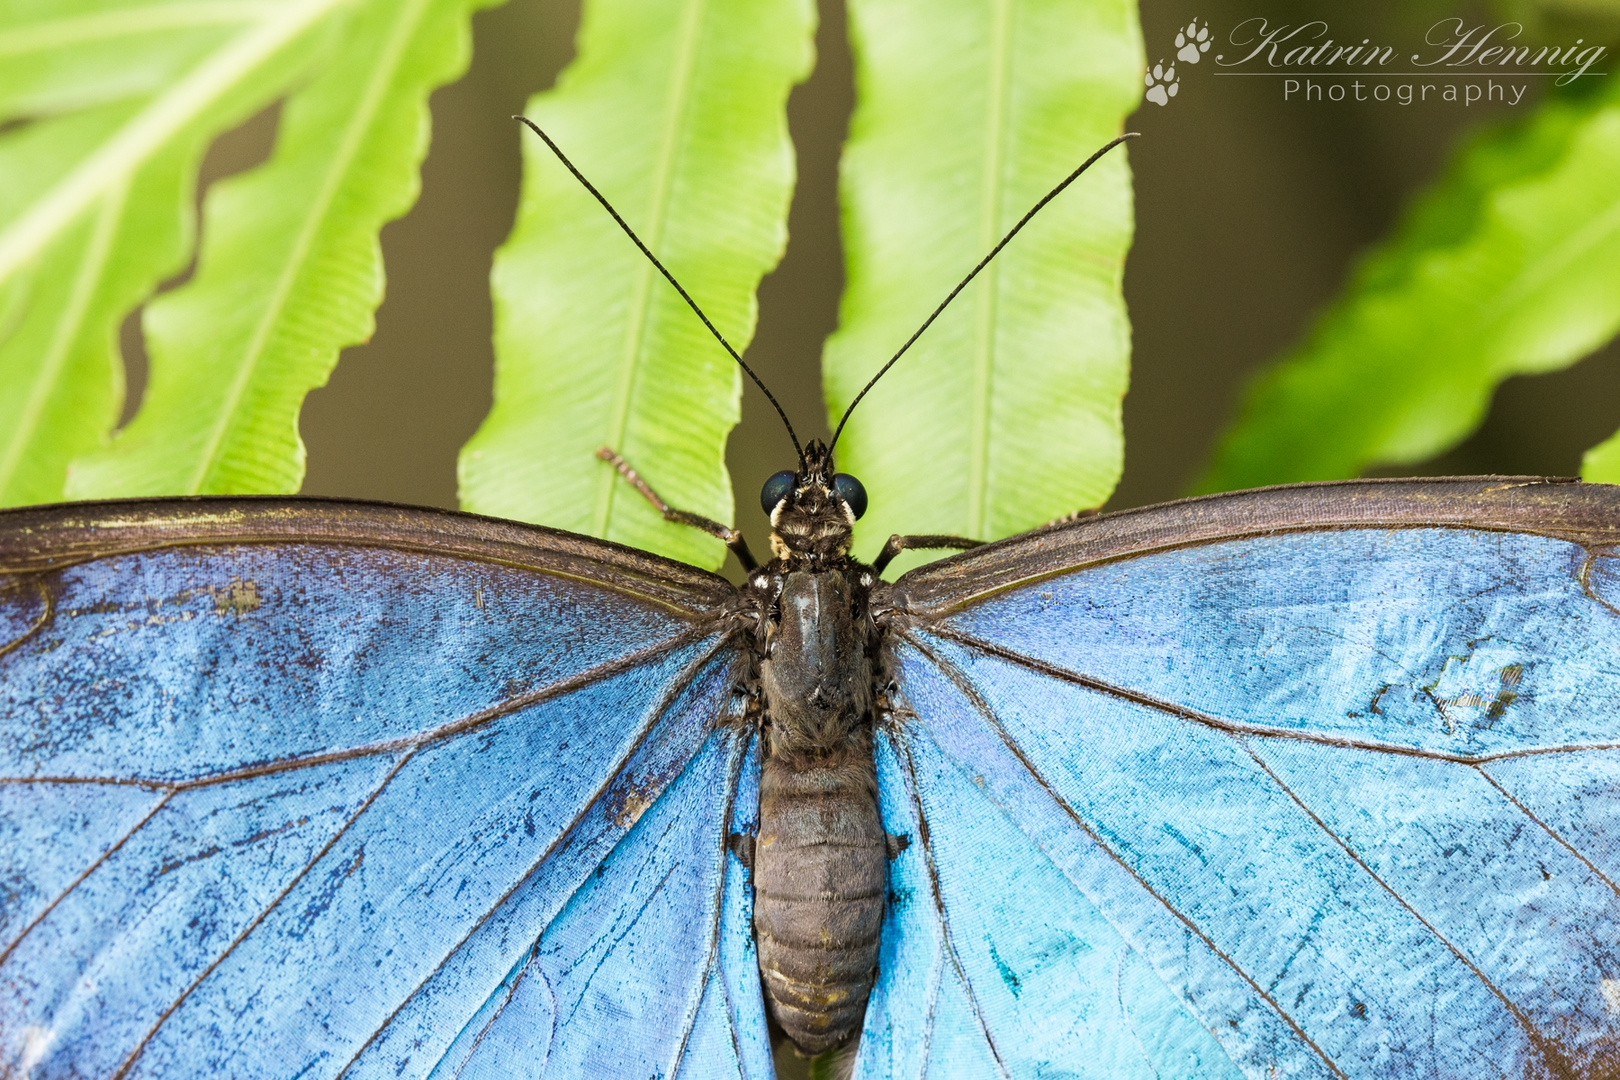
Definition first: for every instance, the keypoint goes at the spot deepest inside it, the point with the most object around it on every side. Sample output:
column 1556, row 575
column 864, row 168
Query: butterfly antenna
column 1048, row 197
column 631, row 233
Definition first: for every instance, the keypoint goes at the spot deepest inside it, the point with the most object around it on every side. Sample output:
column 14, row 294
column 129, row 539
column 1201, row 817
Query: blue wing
column 1339, row 801
column 327, row 790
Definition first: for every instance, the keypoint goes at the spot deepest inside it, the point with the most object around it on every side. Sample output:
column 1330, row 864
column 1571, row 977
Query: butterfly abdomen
column 819, row 883
column 820, row 871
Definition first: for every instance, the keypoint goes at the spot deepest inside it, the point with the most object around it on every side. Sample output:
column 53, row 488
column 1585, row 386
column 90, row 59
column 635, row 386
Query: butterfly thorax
column 819, row 867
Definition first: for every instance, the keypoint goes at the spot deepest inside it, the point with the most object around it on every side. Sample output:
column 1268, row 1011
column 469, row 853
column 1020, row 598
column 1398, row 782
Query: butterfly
column 1308, row 781
column 1314, row 781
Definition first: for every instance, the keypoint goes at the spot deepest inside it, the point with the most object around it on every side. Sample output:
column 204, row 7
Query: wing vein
column 624, row 930
column 947, row 943
column 968, row 690
column 734, row 773
column 1548, row 829
column 46, row 614
column 1125, row 1015
column 1231, row 727
column 665, row 702
column 511, row 992
column 1554, row 1060
column 412, row 743
column 936, row 977
column 109, row 853
column 140, row 1048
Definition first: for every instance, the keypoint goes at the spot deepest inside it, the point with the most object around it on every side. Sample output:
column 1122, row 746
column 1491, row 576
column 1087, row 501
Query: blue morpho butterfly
column 1318, row 781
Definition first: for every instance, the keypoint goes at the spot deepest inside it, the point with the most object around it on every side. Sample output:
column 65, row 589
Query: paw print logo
column 1192, row 41
column 1162, row 83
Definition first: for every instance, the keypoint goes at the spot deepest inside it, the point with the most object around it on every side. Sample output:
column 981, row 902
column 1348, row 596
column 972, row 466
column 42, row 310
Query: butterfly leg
column 730, row 537
column 898, row 543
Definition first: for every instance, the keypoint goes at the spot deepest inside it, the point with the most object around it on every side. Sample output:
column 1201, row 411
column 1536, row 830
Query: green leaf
column 1601, row 464
column 676, row 111
column 290, row 269
column 106, row 108
column 1006, row 413
column 1509, row 265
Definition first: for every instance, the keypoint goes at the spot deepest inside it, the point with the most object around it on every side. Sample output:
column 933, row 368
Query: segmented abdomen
column 819, row 883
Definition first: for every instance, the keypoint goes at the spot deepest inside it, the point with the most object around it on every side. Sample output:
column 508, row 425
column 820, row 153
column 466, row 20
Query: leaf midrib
column 635, row 333
column 1578, row 243
column 106, row 25
column 67, row 331
column 119, row 156
column 360, row 122
column 1497, row 307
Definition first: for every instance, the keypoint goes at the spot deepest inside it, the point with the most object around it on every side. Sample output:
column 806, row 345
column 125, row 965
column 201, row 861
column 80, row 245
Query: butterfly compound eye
column 852, row 492
column 775, row 490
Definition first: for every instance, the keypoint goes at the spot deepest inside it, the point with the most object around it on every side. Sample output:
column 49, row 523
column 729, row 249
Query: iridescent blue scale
column 1313, row 782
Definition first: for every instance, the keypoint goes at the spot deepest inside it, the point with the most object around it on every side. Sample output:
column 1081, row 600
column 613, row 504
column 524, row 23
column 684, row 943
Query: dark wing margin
column 1585, row 514
column 51, row 537
column 291, row 786
column 1334, row 768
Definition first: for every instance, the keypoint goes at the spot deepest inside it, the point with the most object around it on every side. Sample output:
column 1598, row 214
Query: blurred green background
column 1250, row 209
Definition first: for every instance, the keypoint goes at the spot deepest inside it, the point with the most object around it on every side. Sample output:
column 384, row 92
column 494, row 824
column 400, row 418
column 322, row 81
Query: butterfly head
column 813, row 509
